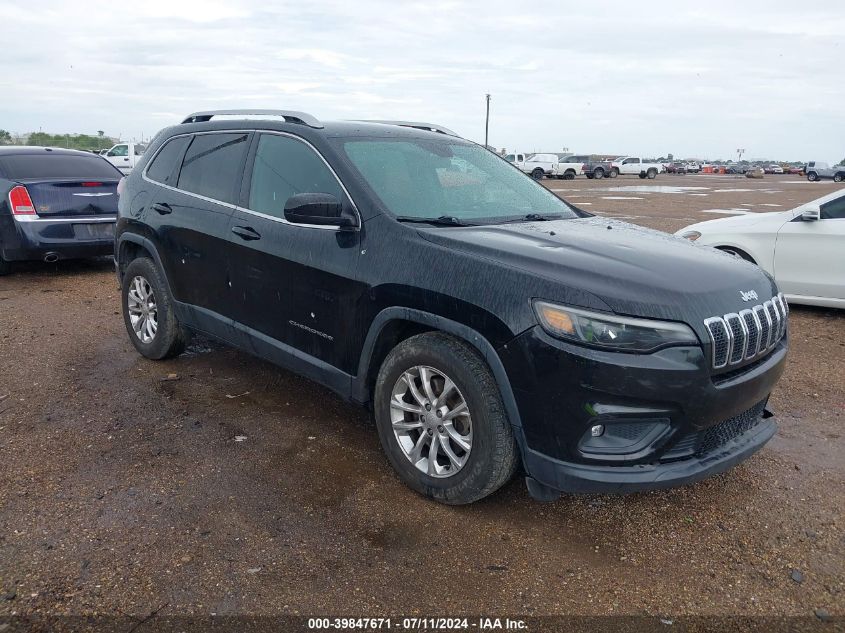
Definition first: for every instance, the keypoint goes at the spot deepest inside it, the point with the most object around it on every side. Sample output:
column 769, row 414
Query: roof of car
column 8, row 150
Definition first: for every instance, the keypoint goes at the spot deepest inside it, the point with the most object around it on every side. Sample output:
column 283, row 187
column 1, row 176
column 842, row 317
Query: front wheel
column 837, row 178
column 441, row 420
column 652, row 174
column 5, row 267
column 148, row 312
column 614, row 173
column 812, row 176
column 537, row 174
column 598, row 173
column 569, row 175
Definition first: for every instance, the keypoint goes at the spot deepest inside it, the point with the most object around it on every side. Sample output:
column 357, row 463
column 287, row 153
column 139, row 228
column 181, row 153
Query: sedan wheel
column 431, row 421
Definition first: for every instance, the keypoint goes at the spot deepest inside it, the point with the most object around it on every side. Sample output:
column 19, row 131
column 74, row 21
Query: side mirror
column 811, row 214
column 322, row 209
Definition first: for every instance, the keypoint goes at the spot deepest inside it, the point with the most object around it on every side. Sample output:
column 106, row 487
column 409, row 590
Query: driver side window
column 284, row 167
column 119, row 150
column 834, row 210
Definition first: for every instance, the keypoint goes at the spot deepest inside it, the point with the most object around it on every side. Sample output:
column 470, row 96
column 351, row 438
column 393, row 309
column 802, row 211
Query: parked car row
column 568, row 167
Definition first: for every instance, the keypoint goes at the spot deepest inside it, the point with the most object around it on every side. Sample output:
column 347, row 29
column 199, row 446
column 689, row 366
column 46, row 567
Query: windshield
column 431, row 178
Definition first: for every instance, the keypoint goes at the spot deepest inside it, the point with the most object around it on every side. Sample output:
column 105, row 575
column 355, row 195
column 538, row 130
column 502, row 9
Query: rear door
column 293, row 284
column 191, row 219
column 810, row 256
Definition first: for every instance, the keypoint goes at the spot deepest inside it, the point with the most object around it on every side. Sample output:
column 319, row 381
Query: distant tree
column 5, row 137
column 100, row 133
column 73, row 141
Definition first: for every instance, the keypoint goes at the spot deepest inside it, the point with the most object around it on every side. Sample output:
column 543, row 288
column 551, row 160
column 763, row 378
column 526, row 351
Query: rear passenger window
column 212, row 165
column 163, row 168
column 283, row 168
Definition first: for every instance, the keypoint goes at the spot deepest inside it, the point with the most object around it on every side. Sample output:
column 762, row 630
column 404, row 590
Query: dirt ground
column 124, row 488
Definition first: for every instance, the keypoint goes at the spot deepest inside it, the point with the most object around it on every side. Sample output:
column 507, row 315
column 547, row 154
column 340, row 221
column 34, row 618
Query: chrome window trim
column 742, row 326
column 329, row 227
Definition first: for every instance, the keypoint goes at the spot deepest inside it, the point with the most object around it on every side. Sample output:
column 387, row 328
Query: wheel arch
column 394, row 324
column 131, row 246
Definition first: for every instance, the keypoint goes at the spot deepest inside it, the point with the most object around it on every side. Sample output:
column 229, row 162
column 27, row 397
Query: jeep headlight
column 611, row 331
column 691, row 235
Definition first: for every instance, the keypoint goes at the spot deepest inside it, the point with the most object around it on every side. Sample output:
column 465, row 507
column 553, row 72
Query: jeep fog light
column 601, row 329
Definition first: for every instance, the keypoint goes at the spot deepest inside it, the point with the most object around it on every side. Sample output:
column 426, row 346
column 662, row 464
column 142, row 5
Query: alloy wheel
column 431, row 421
column 143, row 310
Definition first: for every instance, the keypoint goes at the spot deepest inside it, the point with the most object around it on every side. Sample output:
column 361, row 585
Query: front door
column 809, row 256
column 293, row 284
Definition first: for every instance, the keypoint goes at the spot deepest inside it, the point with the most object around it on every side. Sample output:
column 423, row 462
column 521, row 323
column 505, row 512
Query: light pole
column 487, row 120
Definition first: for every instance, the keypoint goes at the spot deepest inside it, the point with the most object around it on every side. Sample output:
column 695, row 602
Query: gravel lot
column 124, row 490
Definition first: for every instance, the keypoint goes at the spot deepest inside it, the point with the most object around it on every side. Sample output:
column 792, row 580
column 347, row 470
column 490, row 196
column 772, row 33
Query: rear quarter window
column 52, row 166
column 164, row 166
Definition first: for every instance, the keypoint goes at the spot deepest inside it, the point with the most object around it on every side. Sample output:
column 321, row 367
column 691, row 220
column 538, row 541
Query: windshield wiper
column 443, row 220
column 531, row 217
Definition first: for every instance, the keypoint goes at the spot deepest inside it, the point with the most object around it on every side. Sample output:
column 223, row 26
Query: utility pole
column 487, row 120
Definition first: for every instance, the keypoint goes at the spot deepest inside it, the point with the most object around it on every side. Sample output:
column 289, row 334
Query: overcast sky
column 696, row 79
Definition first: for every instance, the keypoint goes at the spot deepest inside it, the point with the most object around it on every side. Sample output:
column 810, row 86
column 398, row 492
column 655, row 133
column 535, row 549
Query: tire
column 492, row 458
column 613, row 173
column 569, row 175
column 736, row 252
column 651, row 174
column 5, row 267
column 589, row 176
column 598, row 173
column 812, row 176
column 837, row 178
column 538, row 174
column 168, row 338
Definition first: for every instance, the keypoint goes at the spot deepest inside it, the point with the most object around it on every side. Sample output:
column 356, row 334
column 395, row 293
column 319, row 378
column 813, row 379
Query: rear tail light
column 121, row 186
column 92, row 184
column 20, row 201
column 585, row 167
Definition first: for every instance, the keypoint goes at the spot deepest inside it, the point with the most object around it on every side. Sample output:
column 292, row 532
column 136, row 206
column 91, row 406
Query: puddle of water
column 621, row 198
column 729, row 211
column 653, row 189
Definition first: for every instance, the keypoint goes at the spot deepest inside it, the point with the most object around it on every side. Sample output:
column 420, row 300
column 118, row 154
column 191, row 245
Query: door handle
column 246, row 232
column 126, row 159
column 162, row 207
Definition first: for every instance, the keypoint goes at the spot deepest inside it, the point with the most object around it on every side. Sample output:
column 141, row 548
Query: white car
column 803, row 248
column 540, row 165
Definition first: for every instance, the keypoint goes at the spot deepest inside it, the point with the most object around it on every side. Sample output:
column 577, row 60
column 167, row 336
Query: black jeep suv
column 488, row 323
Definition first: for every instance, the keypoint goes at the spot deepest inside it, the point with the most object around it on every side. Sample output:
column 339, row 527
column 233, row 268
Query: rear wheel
column 614, row 172
column 441, row 421
column 598, row 174
column 569, row 175
column 652, row 174
column 537, row 174
column 5, row 267
column 148, row 312
column 837, row 178
column 812, row 176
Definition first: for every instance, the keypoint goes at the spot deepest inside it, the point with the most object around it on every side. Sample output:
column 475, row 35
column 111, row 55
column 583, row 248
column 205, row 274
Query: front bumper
column 668, row 418
column 58, row 238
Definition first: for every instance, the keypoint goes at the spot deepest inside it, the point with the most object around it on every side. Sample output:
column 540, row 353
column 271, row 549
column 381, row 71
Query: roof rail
column 419, row 125
column 291, row 116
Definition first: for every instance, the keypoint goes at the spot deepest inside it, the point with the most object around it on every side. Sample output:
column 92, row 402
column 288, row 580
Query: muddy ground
column 124, row 488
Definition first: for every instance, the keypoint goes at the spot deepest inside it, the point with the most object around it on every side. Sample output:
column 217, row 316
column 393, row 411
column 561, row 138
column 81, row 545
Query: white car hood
column 775, row 218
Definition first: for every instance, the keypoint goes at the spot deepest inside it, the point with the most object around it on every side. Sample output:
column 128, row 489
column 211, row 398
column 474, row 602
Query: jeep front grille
column 737, row 337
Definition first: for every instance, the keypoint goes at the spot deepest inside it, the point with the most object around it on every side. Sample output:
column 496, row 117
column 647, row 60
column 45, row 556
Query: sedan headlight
column 608, row 330
column 691, row 235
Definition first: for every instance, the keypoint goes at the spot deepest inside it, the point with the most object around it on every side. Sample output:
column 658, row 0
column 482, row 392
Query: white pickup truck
column 124, row 156
column 540, row 165
column 570, row 166
column 634, row 165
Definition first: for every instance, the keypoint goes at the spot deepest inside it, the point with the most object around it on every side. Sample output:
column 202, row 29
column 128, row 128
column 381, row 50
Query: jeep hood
column 634, row 270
